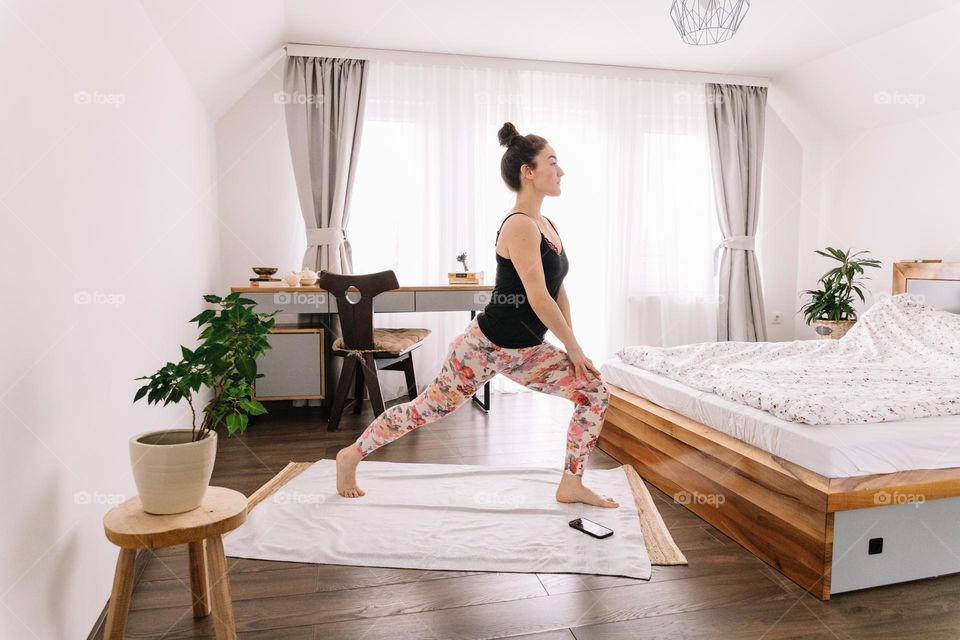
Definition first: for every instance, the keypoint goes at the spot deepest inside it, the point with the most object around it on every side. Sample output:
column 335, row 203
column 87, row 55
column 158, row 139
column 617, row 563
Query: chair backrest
column 356, row 318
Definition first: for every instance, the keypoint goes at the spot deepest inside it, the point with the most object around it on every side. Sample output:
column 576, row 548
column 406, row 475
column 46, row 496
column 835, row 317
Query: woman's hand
column 583, row 368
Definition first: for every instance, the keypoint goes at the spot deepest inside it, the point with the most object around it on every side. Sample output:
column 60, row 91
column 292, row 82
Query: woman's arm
column 564, row 303
column 522, row 237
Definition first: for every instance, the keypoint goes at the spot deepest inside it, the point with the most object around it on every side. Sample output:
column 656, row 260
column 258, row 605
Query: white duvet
column 900, row 360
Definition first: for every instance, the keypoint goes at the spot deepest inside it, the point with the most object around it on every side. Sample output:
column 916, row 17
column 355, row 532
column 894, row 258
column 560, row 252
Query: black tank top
column 508, row 320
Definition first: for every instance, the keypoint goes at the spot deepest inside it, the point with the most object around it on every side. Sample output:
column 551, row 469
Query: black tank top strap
column 505, row 222
column 555, row 230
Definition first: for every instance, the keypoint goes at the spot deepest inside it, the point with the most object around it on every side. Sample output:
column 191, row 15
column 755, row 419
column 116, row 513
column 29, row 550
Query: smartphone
column 591, row 528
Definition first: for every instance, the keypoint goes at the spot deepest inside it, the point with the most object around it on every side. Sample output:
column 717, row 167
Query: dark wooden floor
column 724, row 592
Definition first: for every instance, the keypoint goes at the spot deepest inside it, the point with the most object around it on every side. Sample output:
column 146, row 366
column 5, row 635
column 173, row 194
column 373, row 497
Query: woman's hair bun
column 507, row 134
column 521, row 150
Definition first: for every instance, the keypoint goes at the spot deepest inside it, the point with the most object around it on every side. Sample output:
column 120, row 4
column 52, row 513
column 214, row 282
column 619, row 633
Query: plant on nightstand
column 830, row 308
column 172, row 467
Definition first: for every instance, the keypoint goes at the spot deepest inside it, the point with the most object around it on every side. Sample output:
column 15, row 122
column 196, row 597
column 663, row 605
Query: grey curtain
column 735, row 120
column 324, row 100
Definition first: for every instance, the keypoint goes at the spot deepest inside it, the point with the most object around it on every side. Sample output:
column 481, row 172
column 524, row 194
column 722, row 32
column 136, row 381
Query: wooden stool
column 129, row 527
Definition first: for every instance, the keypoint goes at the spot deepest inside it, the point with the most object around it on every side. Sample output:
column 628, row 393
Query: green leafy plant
column 233, row 337
column 834, row 300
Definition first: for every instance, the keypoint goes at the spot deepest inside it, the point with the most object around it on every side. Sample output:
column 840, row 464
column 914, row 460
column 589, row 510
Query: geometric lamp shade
column 708, row 21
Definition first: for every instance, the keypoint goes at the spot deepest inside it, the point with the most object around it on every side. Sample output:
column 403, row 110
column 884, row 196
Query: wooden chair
column 367, row 350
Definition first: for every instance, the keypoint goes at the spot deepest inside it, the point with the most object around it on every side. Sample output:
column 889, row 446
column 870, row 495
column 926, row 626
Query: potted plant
column 830, row 308
column 172, row 467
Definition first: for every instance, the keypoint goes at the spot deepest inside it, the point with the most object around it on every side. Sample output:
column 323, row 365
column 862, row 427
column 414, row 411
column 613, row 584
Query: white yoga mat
column 445, row 517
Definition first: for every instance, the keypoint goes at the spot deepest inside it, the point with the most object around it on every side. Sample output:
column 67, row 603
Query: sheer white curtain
column 636, row 215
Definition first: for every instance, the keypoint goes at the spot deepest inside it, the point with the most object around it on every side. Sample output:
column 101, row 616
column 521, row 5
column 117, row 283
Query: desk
column 314, row 308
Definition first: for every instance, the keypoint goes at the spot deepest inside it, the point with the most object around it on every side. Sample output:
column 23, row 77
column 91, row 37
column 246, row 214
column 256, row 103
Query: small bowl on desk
column 265, row 271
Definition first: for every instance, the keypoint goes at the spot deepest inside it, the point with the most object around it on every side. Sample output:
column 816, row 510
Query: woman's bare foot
column 347, row 460
column 571, row 489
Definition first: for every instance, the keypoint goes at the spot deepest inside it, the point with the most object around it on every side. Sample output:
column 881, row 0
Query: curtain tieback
column 333, row 236
column 743, row 243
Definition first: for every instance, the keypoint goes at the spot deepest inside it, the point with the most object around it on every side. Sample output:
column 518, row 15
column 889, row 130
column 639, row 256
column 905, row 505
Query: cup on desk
column 292, row 279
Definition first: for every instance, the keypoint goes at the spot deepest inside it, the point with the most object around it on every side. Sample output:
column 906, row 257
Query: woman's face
column 545, row 178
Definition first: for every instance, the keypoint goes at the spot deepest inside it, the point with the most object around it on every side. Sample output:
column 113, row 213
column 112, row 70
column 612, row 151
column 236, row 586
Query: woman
column 507, row 336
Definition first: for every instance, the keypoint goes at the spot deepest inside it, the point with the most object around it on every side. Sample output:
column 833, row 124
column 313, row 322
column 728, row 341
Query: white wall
column 777, row 229
column 894, row 193
column 105, row 191
column 878, row 123
column 262, row 223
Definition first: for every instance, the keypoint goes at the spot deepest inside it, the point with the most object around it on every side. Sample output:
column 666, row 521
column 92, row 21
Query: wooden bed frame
column 782, row 513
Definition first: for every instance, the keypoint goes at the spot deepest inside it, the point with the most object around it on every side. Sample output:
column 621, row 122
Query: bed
column 835, row 508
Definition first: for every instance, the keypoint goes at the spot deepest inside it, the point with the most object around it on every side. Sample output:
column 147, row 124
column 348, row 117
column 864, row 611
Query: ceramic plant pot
column 171, row 471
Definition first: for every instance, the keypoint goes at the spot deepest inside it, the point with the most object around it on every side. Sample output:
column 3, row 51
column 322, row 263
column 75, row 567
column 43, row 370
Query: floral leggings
column 471, row 362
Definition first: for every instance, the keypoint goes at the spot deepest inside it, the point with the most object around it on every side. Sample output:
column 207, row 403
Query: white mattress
column 834, row 451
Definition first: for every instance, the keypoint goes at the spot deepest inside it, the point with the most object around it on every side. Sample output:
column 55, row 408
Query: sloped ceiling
column 225, row 46
column 903, row 74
